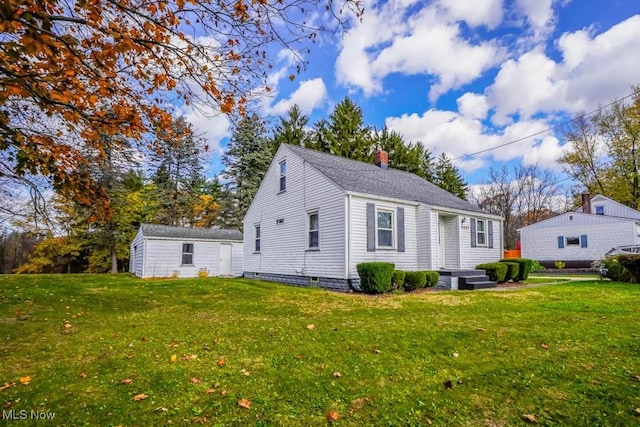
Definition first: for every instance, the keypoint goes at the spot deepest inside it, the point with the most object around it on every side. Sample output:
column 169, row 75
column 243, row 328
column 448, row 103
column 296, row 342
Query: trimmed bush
column 397, row 279
column 497, row 271
column 375, row 277
column 615, row 270
column 512, row 270
column 432, row 278
column 631, row 263
column 414, row 280
column 525, row 267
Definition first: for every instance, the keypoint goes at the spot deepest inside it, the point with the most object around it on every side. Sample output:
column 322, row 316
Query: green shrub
column 433, row 277
column 512, row 270
column 631, row 263
column 615, row 270
column 536, row 266
column 397, row 279
column 525, row 267
column 497, row 271
column 375, row 277
column 414, row 280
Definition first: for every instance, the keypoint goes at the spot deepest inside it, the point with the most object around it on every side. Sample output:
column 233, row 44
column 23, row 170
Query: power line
column 546, row 130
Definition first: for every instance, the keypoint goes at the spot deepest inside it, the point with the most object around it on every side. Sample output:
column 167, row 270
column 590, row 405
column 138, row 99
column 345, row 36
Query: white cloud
column 473, row 106
column 592, row 71
column 539, row 13
column 404, row 40
column 213, row 126
column 309, row 95
column 475, row 12
column 545, row 154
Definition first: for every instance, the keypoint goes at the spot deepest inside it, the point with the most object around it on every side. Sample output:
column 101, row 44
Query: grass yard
column 113, row 350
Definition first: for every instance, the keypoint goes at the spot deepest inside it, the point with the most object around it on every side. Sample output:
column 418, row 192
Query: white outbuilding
column 167, row 251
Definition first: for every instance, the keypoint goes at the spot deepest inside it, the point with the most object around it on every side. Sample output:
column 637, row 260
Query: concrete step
column 459, row 273
column 477, row 285
column 472, row 279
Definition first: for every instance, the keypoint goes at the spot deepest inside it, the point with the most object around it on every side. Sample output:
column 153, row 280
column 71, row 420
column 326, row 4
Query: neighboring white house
column 165, row 251
column 579, row 237
column 317, row 216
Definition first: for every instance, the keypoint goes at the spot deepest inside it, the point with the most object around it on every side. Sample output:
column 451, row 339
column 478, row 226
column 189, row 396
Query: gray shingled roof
column 154, row 230
column 361, row 177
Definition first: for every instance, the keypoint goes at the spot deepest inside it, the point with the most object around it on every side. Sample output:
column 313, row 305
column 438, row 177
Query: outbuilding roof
column 173, row 232
column 367, row 178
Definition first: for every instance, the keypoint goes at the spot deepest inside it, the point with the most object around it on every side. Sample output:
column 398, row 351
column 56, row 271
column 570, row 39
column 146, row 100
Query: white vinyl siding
column 407, row 260
column 163, row 256
column 284, row 246
column 542, row 243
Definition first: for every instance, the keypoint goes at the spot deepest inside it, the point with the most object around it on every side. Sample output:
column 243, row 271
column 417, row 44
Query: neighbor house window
column 599, row 210
column 314, row 231
column 385, row 229
column 257, row 238
column 283, row 175
column 572, row 241
column 481, row 232
column 187, row 254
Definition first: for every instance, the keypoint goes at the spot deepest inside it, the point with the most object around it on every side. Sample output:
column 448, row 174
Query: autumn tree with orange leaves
column 74, row 74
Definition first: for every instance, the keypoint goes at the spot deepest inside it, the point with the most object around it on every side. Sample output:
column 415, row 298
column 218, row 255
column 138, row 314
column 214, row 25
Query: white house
column 317, row 216
column 581, row 236
column 165, row 251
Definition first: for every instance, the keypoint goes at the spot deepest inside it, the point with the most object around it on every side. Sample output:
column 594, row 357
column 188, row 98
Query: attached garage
column 166, row 251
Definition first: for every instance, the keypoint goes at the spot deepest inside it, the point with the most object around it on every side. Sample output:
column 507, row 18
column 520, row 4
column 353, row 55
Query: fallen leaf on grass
column 173, row 358
column 245, row 372
column 480, row 329
column 220, row 362
column 139, row 397
column 546, row 347
column 223, row 392
column 6, row 385
column 189, row 357
column 638, row 377
column 455, row 354
column 160, row 409
column 25, row 380
column 332, row 416
column 337, row 374
column 7, row 404
column 529, row 418
column 447, row 384
column 210, row 390
column 173, row 344
column 67, row 325
column 310, row 326
column 299, row 356
column 637, row 411
column 82, row 375
column 195, row 380
column 126, row 381
column 244, row 403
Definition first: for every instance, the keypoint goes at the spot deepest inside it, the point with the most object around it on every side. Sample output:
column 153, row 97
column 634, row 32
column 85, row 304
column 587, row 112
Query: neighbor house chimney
column 586, row 203
column 382, row 159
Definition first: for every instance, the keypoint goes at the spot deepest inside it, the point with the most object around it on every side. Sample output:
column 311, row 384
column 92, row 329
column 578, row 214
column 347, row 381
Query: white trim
column 381, row 198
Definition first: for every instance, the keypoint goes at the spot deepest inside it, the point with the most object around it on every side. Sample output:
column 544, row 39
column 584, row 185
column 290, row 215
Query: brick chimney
column 586, row 203
column 382, row 159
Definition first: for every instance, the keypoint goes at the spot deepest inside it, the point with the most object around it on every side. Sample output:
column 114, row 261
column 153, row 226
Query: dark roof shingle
column 154, row 230
column 367, row 178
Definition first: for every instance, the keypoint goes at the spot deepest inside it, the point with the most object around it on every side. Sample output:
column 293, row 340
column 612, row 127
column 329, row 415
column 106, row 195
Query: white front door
column 441, row 243
column 226, row 268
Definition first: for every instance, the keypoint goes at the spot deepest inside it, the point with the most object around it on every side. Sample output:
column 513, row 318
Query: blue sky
column 465, row 75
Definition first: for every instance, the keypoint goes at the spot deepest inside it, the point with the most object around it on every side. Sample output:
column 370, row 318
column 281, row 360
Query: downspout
column 459, row 232
column 347, row 237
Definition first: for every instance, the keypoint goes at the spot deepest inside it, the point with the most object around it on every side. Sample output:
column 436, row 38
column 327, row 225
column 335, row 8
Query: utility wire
column 548, row 129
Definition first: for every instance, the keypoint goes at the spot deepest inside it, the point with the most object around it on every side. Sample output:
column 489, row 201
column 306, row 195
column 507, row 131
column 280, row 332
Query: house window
column 314, row 231
column 257, row 238
column 283, row 175
column 187, row 254
column 385, row 229
column 572, row 241
column 599, row 210
column 481, row 232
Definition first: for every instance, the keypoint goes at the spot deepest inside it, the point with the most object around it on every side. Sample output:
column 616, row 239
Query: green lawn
column 566, row 354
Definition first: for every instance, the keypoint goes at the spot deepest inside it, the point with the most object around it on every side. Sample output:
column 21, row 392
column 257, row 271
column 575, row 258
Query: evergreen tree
column 291, row 129
column 178, row 173
column 247, row 159
column 346, row 135
column 318, row 137
column 448, row 177
column 408, row 157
